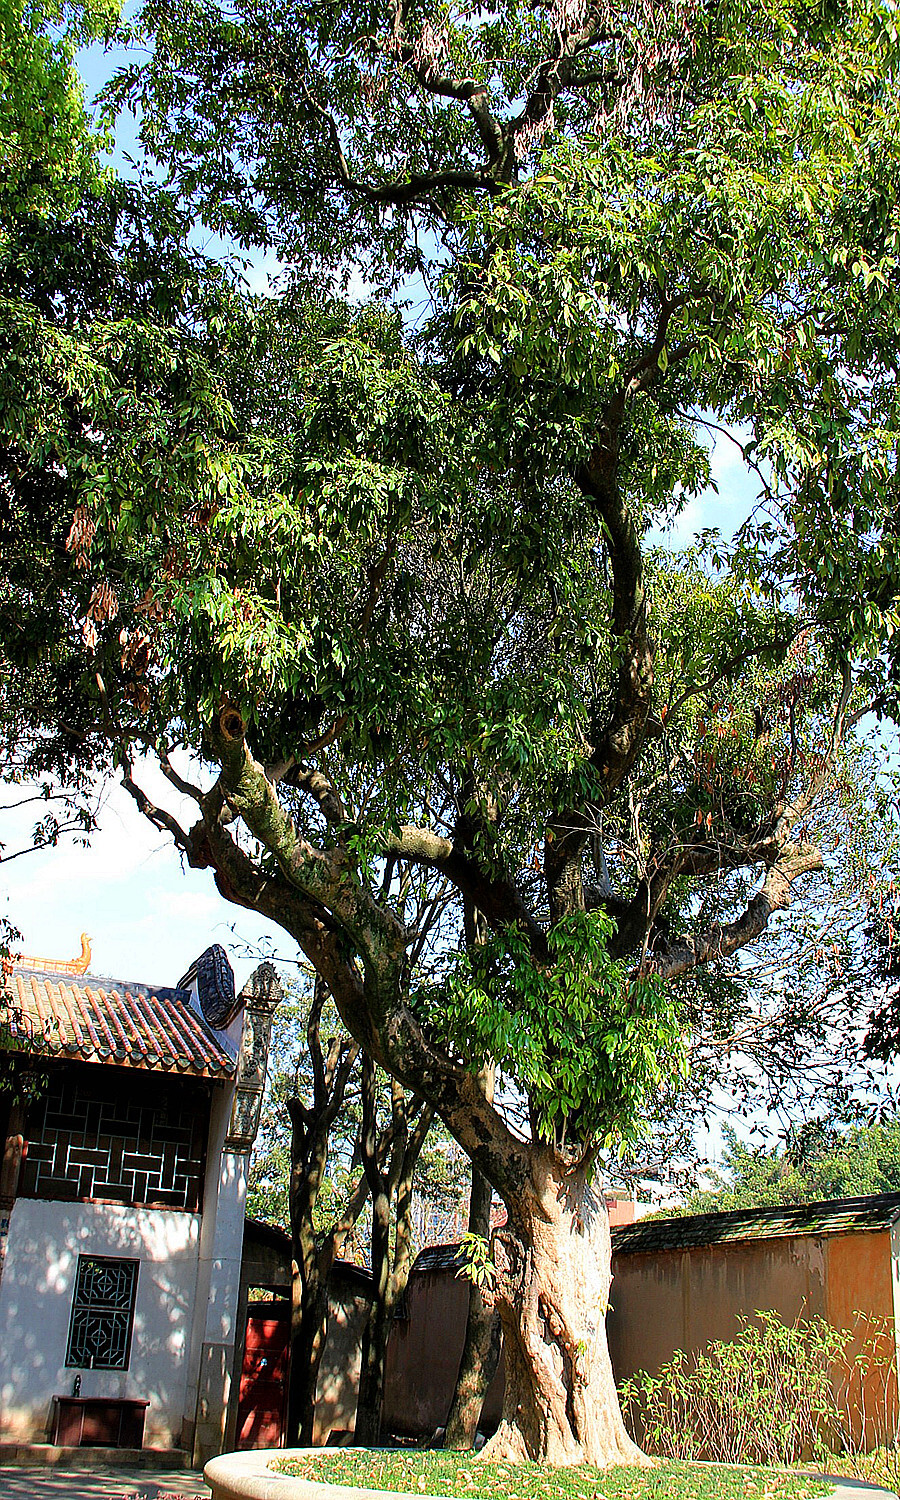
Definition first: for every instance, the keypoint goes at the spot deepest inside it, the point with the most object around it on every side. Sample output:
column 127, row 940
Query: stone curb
column 46, row 1455
column 246, row 1476
column 854, row 1489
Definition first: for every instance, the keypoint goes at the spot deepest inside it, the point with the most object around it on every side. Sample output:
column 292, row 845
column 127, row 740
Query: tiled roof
column 440, row 1258
column 835, row 1216
column 108, row 1021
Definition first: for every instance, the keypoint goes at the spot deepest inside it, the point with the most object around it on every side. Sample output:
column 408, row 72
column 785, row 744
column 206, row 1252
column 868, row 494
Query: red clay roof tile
column 105, row 1021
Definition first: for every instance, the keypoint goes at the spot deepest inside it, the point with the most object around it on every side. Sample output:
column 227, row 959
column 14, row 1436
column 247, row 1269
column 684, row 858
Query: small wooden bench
column 98, row 1421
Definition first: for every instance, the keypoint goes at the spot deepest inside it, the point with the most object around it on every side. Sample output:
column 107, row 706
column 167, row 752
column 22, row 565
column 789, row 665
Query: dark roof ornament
column 214, row 978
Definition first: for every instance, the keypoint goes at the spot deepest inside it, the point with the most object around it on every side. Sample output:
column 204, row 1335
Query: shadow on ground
column 100, row 1484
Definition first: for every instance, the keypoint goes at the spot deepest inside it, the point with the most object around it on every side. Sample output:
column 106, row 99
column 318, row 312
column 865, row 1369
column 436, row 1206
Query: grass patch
column 458, row 1474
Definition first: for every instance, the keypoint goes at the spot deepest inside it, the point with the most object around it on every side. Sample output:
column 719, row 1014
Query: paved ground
column 97, row 1484
column 845, row 1489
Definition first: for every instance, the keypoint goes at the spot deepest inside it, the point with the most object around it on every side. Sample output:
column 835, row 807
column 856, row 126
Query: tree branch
column 495, row 894
column 323, row 792
column 722, row 939
column 158, row 816
column 320, row 900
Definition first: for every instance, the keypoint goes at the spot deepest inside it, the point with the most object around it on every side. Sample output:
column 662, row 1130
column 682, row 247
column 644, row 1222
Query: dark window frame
column 82, row 1304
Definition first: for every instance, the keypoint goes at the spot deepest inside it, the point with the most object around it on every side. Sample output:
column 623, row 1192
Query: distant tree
column 339, row 1144
column 313, row 1104
column 289, row 1075
column 819, row 1160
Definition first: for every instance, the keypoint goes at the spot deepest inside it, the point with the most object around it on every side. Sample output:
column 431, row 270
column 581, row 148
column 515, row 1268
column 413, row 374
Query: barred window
column 102, row 1313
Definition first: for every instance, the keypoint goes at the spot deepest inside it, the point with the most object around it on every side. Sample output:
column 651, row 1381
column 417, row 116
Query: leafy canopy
column 581, row 1041
column 395, row 585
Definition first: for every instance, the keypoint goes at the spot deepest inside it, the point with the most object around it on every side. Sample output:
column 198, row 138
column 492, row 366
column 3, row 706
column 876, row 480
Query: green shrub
column 776, row 1394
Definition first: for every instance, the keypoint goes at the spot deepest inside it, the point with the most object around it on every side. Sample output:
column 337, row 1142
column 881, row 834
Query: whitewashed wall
column 36, row 1301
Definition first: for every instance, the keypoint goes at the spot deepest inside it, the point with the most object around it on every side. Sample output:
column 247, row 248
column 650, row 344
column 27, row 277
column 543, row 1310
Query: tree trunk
column 553, row 1263
column 309, row 1325
column 375, row 1337
column 312, row 1259
column 481, row 1349
column 313, row 1262
column 410, row 1123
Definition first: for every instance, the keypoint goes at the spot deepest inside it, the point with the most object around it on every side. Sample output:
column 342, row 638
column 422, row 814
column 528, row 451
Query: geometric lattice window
column 102, row 1313
column 95, row 1136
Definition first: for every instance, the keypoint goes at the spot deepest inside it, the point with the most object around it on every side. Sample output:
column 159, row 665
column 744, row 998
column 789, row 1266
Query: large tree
column 396, row 590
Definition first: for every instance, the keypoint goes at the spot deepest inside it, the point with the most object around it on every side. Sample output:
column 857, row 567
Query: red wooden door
column 264, row 1376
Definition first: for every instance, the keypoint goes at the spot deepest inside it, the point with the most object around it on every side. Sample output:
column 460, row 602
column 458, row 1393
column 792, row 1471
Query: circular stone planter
column 247, row 1476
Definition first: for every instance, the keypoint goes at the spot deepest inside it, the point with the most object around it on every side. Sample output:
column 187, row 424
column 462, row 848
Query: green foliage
column 105, row 316
column 775, row 1394
column 48, row 147
column 819, row 1161
column 758, row 183
column 479, row 1267
column 585, row 1040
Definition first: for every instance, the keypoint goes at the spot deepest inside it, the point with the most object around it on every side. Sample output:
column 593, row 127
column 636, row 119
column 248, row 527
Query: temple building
column 127, row 1115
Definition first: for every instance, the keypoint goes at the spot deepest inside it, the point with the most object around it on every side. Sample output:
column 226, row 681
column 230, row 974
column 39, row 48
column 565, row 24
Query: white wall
column 218, row 1287
column 36, row 1301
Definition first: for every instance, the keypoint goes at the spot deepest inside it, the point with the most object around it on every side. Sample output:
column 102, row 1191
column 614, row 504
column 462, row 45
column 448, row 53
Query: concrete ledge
column 47, row 1455
column 247, row 1476
column 855, row 1489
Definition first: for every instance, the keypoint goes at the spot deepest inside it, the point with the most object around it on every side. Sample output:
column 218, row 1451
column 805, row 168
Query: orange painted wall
column 682, row 1299
column 859, row 1281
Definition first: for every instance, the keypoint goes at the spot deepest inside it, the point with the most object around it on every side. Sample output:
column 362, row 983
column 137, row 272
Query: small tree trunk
column 374, row 1348
column 389, row 1272
column 553, row 1262
column 309, row 1318
column 310, row 1129
column 309, row 1325
column 481, row 1349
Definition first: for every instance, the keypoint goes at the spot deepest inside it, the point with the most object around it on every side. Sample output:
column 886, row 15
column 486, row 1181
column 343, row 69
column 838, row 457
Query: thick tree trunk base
column 553, row 1262
column 508, row 1446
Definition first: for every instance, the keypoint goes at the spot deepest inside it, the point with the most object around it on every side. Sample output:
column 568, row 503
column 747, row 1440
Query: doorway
column 262, row 1397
